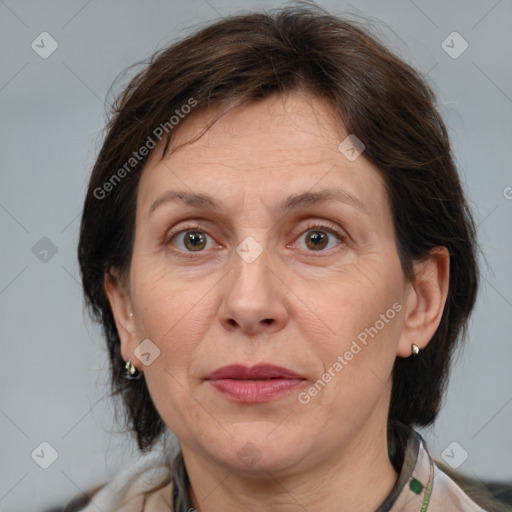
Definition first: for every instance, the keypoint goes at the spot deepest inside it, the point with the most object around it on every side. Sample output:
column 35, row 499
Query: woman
column 278, row 247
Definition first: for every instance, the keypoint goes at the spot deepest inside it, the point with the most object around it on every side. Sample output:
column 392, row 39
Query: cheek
column 360, row 325
column 171, row 397
column 172, row 307
column 353, row 299
column 176, row 320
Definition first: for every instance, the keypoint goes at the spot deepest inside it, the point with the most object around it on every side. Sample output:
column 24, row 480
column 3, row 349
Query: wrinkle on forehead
column 259, row 153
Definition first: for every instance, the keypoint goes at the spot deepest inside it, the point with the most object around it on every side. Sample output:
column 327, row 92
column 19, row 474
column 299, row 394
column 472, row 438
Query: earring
column 131, row 372
column 415, row 350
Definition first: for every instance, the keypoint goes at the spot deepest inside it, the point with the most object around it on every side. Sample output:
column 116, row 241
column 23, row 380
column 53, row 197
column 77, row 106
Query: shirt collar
column 412, row 490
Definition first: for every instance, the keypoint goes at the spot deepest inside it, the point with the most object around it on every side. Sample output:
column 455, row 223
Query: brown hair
column 378, row 97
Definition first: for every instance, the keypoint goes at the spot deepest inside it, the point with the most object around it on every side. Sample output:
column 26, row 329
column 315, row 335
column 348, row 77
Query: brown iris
column 194, row 240
column 318, row 239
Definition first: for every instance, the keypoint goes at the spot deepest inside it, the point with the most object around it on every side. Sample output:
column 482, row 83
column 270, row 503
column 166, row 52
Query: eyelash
column 311, row 226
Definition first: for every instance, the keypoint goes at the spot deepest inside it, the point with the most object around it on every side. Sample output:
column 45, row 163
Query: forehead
column 264, row 152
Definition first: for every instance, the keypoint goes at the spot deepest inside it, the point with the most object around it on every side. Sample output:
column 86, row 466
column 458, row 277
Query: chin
column 261, row 454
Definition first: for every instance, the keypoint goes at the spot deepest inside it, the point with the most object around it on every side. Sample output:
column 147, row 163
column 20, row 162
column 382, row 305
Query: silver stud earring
column 415, row 350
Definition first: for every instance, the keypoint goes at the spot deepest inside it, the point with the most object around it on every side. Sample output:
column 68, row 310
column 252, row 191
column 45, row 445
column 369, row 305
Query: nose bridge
column 250, row 266
column 252, row 297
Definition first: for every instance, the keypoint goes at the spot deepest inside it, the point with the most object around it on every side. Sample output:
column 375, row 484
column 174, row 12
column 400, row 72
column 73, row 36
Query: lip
column 260, row 383
column 259, row 372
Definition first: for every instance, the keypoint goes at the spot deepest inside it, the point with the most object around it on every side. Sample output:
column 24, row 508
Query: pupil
column 195, row 238
column 319, row 239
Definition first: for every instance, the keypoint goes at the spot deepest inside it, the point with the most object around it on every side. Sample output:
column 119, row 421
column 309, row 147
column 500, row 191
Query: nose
column 254, row 300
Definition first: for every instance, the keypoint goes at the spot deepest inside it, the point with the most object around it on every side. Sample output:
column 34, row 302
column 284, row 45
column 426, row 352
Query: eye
column 192, row 239
column 318, row 236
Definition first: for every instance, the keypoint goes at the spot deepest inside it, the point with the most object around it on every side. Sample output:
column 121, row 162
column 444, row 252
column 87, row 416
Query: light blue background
column 53, row 365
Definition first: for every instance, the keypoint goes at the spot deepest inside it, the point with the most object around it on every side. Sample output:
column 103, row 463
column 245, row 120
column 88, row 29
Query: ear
column 424, row 301
column 118, row 294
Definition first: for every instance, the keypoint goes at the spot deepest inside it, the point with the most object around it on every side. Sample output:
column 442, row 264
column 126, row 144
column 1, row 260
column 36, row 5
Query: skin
column 296, row 306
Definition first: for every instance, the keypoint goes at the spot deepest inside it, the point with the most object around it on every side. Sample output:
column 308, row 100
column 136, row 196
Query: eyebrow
column 292, row 202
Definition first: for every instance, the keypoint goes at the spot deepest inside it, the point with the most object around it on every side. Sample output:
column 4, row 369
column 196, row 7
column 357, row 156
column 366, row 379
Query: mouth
column 260, row 383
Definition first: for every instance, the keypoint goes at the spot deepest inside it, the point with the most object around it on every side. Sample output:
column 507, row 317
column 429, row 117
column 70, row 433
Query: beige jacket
column 147, row 486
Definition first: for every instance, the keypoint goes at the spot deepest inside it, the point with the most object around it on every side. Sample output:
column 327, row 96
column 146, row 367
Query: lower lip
column 254, row 391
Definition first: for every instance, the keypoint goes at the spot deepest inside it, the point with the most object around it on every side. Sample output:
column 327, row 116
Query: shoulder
column 448, row 495
column 452, row 490
column 427, row 484
column 145, row 485
column 468, row 493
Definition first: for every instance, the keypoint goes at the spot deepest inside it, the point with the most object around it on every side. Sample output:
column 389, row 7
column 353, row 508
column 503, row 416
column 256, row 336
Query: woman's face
column 288, row 258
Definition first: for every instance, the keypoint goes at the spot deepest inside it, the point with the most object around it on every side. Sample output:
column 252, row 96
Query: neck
column 358, row 479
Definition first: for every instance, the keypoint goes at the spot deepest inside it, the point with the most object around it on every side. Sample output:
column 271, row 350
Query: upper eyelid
column 311, row 224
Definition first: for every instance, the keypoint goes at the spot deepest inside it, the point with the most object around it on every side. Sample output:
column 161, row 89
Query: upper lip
column 260, row 371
